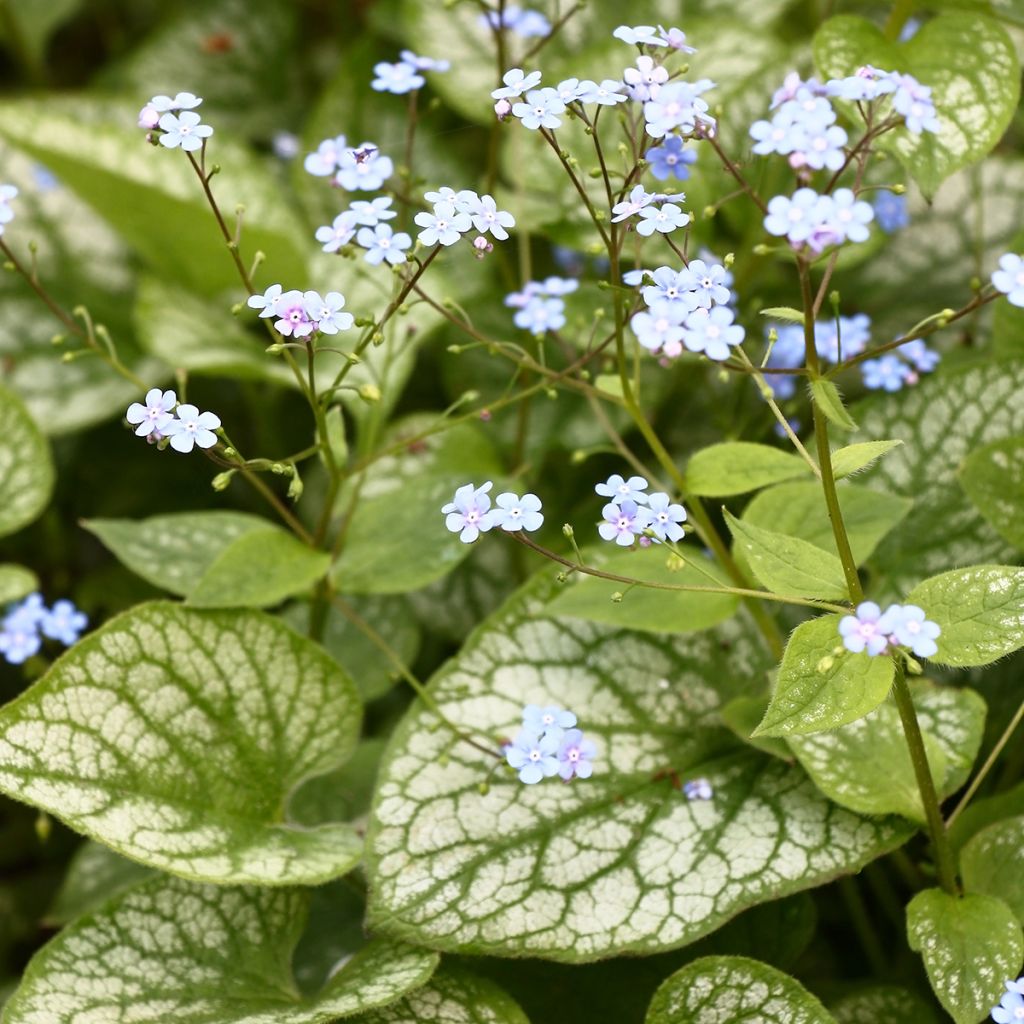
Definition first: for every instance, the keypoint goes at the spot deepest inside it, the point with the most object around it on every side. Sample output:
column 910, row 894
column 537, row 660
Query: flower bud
column 369, row 393
column 221, row 480
column 502, row 109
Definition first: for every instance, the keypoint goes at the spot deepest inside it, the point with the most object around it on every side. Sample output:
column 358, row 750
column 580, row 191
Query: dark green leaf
column 735, row 467
column 992, row 862
column 993, row 477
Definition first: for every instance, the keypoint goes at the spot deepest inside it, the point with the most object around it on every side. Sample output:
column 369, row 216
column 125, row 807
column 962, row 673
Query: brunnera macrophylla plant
column 706, row 640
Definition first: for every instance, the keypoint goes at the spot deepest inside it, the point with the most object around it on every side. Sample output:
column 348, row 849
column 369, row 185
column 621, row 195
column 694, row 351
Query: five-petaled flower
column 192, row 428
column 534, row 756
column 513, row 513
column 467, row 513
column 152, row 417
column 183, row 131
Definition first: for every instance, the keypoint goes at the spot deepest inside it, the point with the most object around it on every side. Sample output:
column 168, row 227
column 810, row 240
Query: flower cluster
column 540, row 306
column 698, row 789
column 687, row 309
column 632, row 513
column 361, row 168
column 891, row 371
column 469, row 513
column 404, row 75
column 456, row 213
column 7, row 193
column 648, row 35
column 299, row 314
column 179, row 124
column 528, row 24
column 163, row 417
column 26, row 623
column 875, row 631
column 818, row 221
column 548, row 744
column 1011, row 1006
column 803, row 129
column 541, row 108
column 1008, row 279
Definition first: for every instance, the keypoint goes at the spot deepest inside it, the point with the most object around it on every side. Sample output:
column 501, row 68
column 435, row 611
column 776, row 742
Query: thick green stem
column 925, row 783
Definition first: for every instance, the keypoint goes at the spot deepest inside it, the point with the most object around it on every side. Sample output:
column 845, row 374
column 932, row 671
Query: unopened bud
column 913, row 667
column 617, row 597
column 826, row 663
column 149, row 117
column 562, row 577
column 568, row 530
column 730, row 259
column 57, row 339
column 280, row 468
column 761, row 249
column 221, row 480
column 482, row 247
column 709, row 212
column 369, row 393
column 44, row 826
column 483, row 788
column 502, row 109
column 898, row 190
column 275, row 350
column 295, row 488
column 237, row 308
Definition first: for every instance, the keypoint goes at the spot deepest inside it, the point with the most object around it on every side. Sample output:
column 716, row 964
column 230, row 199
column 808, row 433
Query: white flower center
column 534, row 755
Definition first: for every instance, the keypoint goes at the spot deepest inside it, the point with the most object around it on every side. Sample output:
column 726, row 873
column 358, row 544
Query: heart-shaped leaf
column 26, row 469
column 993, row 477
column 176, row 735
column 992, row 862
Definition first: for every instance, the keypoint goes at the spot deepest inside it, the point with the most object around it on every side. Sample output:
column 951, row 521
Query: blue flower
column 620, row 490
column 910, row 628
column 635, row 278
column 467, row 513
column 886, row 373
column 370, row 212
column 847, row 338
column 63, row 622
column 644, row 81
column 675, row 39
column 1011, row 1007
column 7, row 193
column 670, row 159
column 868, row 630
column 154, row 416
column 707, row 284
column 920, row 356
column 534, row 757
column 575, row 755
column 660, row 328
column 638, row 35
column 712, row 332
column 332, row 237
column 180, row 101
column 464, row 201
column 424, row 63
column 850, row 216
column 516, row 82
column 267, row 302
column 444, row 226
column 382, row 243
column 624, row 522
column 820, row 147
column 669, row 285
column 192, row 427
column 184, row 131
column 540, row 720
column 363, row 169
column 396, row 78
column 891, row 211
column 514, row 513
column 540, row 315
column 664, row 218
column 605, row 93
column 867, row 85
column 292, row 319
column 698, row 789
column 19, row 630
column 678, row 106
column 285, row 145
column 639, row 198
column 782, row 134
column 914, row 101
column 540, row 109
column 324, row 162
column 524, row 23
column 666, row 517
column 325, row 311
column 1009, row 278
column 487, row 217
column 795, row 217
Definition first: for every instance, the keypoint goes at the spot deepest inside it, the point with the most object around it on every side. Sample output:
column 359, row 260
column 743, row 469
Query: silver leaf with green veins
column 622, row 861
column 175, row 736
column 172, row 950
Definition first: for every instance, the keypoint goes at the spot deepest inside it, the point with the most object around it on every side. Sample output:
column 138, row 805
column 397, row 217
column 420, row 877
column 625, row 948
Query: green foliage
column 992, row 862
column 26, row 469
column 15, row 582
column 970, row 945
column 95, row 875
column 993, row 477
column 855, row 457
column 827, row 397
column 882, row 1003
column 735, row 467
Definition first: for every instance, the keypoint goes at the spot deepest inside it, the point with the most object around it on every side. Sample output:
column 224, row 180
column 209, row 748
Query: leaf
column 35, row 23
column 16, row 582
column 724, row 989
column 622, row 864
column 866, row 766
column 974, row 97
column 657, row 611
column 980, row 611
column 202, row 954
column 942, row 420
column 743, row 715
column 259, row 569
column 174, row 736
column 26, row 468
column 980, row 813
column 993, row 477
column 406, row 490
column 95, row 875
column 735, row 467
column 821, row 685
column 992, row 863
column 452, row 996
column 883, row 1003
column 969, row 945
column 788, row 565
column 786, row 313
column 827, row 398
column 173, row 551
column 855, row 457
column 189, row 333
column 153, row 197
column 341, row 795
column 798, row 510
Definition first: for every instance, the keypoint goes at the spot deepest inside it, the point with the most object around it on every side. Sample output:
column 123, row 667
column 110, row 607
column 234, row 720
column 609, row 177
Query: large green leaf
column 16, row 582
column 200, row 954
column 975, row 96
column 26, row 468
column 406, row 491
column 659, row 611
column 725, row 989
column 941, row 420
column 992, row 862
column 993, row 477
column 735, row 467
column 452, row 996
column 987, row 811
column 866, row 766
column 980, row 611
column 175, row 736
column 882, row 1003
column 821, row 685
column 173, row 551
column 788, row 565
column 620, row 862
column 970, row 945
column 153, row 197
column 799, row 509
column 259, row 569
column 95, row 874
